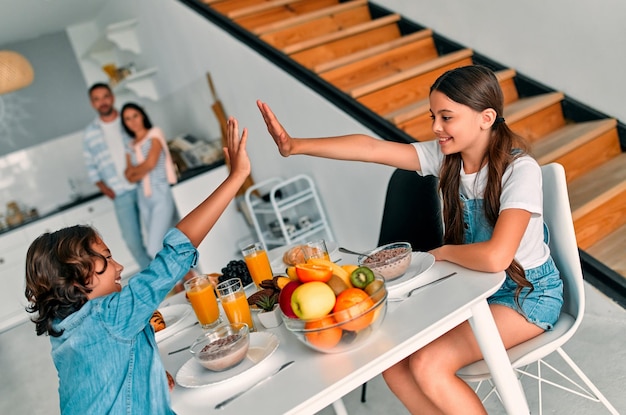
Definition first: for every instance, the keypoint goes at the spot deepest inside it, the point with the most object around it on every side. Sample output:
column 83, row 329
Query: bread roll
column 157, row 321
column 171, row 383
column 294, row 255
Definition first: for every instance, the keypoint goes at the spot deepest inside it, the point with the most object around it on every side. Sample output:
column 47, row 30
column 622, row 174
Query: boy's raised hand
column 235, row 152
column 276, row 130
column 197, row 223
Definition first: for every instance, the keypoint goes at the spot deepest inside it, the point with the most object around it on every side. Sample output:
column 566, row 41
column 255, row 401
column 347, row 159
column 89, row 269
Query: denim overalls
column 542, row 306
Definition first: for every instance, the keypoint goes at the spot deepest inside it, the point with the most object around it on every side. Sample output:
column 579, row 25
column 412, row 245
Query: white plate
column 420, row 263
column 276, row 255
column 176, row 317
column 193, row 375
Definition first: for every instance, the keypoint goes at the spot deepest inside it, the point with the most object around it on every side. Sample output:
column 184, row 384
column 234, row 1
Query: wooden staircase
column 387, row 65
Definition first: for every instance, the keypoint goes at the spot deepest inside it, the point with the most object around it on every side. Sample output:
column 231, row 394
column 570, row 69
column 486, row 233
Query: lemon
column 291, row 273
column 349, row 268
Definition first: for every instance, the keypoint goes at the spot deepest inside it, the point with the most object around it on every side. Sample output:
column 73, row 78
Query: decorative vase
column 270, row 319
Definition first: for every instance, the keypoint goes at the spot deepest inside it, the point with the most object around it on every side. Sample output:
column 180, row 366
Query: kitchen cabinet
column 289, row 211
column 117, row 45
column 100, row 213
column 13, row 248
column 49, row 224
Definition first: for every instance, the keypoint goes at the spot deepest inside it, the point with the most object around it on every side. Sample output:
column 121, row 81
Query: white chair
column 564, row 250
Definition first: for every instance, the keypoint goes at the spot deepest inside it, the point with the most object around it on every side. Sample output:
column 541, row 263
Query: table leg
column 339, row 407
column 497, row 360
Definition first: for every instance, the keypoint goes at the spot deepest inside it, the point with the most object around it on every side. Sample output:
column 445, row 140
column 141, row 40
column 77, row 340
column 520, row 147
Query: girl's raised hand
column 276, row 130
column 235, row 152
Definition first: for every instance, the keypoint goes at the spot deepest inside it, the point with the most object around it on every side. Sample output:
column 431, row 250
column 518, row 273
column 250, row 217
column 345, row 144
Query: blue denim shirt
column 107, row 357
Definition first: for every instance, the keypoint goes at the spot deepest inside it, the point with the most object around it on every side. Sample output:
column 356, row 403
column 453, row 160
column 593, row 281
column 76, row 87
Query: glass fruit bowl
column 223, row 347
column 389, row 261
column 346, row 329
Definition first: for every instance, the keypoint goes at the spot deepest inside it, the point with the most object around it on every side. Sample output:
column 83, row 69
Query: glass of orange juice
column 258, row 263
column 234, row 302
column 201, row 294
column 316, row 249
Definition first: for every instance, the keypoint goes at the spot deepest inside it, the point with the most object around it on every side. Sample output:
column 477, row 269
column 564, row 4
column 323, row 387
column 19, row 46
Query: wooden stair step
column 506, row 79
column 382, row 65
column 280, row 13
column 342, row 33
column 311, row 16
column 347, row 45
column 404, row 114
column 525, row 107
column 535, row 117
column 610, row 250
column 579, row 147
column 227, row 6
column 412, row 72
column 257, row 8
column 397, row 95
column 414, row 119
column 372, row 51
column 598, row 201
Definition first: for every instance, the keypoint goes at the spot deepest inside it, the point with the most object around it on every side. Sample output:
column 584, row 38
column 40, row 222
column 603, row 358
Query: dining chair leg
column 339, row 407
column 363, row 391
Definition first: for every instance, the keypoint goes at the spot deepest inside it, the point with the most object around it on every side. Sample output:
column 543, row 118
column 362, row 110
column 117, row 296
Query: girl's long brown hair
column 477, row 87
column 59, row 267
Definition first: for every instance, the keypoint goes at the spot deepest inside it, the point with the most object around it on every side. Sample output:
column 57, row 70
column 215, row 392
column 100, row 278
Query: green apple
column 312, row 300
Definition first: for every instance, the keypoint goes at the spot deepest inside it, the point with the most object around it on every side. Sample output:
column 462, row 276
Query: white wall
column 191, row 46
column 576, row 47
column 536, row 38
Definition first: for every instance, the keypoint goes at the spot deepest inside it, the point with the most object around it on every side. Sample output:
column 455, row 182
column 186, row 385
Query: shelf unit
column 117, row 36
column 141, row 83
column 122, row 37
column 292, row 206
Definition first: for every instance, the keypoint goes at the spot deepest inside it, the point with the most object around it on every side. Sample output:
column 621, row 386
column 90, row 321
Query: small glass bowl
column 389, row 261
column 223, row 347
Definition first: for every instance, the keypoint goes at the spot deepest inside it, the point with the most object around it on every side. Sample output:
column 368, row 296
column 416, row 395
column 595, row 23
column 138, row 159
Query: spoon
column 348, row 251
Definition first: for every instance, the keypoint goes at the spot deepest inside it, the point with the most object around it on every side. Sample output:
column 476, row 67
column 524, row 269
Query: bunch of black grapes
column 236, row 269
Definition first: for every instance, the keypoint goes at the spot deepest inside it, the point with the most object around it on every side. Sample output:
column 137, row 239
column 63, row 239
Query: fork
column 407, row 295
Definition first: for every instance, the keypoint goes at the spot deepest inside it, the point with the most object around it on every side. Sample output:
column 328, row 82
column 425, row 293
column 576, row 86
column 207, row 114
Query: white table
column 316, row 380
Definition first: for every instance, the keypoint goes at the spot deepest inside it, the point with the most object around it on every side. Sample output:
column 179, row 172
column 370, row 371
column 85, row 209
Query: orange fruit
column 351, row 304
column 313, row 272
column 326, row 338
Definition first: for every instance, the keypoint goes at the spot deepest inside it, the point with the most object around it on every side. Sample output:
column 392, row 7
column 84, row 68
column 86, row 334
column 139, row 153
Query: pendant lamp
column 15, row 71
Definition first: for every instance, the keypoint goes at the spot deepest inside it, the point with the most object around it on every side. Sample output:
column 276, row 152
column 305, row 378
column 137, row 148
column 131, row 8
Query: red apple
column 284, row 298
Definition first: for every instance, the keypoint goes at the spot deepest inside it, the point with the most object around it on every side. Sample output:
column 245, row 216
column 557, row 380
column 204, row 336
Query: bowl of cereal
column 389, row 261
column 223, row 347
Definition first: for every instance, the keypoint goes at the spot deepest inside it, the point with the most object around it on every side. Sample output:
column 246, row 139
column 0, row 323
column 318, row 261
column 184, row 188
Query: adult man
column 103, row 149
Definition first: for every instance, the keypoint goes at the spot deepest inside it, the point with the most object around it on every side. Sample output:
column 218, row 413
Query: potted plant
column 269, row 316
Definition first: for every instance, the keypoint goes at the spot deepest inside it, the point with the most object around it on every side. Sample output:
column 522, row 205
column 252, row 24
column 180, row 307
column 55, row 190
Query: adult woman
column 492, row 208
column 148, row 161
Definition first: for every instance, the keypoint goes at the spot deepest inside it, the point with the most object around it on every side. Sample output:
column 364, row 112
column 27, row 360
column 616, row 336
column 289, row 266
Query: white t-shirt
column 115, row 141
column 521, row 189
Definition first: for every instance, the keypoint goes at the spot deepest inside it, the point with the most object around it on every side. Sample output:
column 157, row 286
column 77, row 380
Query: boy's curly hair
column 59, row 267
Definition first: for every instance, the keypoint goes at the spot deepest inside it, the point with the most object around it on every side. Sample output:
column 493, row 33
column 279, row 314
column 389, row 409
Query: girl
column 103, row 345
column 492, row 208
column 148, row 160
